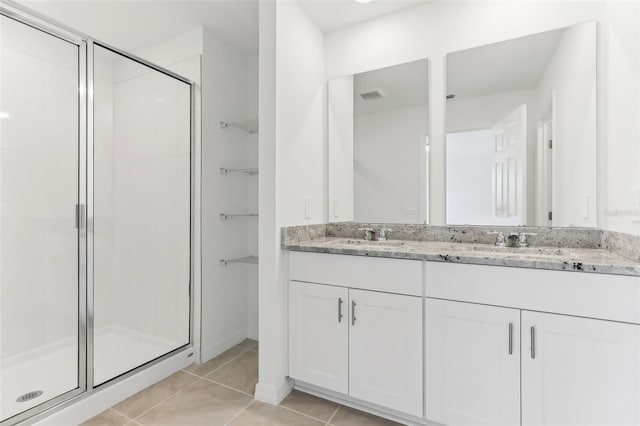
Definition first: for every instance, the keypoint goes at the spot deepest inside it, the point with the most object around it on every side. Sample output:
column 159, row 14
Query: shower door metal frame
column 85, row 44
column 91, row 43
column 8, row 10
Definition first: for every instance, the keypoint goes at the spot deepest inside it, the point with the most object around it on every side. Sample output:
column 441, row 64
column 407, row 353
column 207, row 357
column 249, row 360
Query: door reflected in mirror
column 521, row 131
column 378, row 145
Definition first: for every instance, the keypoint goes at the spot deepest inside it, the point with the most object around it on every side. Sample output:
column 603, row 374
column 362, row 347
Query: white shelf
column 224, row 171
column 249, row 126
column 225, row 216
column 247, row 260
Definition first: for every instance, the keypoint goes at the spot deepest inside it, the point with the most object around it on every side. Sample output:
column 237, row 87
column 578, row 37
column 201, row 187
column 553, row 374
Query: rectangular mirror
column 521, row 131
column 378, row 145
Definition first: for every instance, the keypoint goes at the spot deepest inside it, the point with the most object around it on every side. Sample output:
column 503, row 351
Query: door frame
column 85, row 207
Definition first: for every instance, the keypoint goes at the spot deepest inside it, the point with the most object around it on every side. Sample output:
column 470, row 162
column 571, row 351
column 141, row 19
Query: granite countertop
column 592, row 258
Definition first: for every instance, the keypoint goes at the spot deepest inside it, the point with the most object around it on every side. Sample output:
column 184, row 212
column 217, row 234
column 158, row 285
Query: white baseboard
column 87, row 406
column 273, row 394
column 223, row 344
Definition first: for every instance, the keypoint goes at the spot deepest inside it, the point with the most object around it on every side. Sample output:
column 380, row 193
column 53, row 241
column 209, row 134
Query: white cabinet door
column 472, row 364
column 385, row 350
column 578, row 371
column 319, row 335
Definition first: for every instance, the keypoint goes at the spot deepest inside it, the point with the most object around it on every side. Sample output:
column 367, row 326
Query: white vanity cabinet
column 473, row 363
column 350, row 336
column 573, row 361
column 579, row 371
column 385, row 350
column 319, row 335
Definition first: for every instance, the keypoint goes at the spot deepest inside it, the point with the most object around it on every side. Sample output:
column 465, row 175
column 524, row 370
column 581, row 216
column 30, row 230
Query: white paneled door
column 472, row 364
column 510, row 168
column 578, row 371
column 319, row 335
column 385, row 350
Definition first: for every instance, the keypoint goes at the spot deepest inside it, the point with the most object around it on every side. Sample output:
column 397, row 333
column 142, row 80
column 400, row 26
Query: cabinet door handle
column 533, row 343
column 510, row 338
column 353, row 312
column 340, row 309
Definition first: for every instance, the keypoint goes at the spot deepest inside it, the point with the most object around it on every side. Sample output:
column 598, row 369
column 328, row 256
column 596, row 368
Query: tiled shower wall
column 38, row 162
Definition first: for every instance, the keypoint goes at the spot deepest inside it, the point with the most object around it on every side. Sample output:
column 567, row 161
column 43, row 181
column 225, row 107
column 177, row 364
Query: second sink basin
column 540, row 251
column 394, row 243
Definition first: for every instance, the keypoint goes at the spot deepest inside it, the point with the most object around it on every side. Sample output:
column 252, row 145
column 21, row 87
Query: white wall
column 432, row 30
column 483, row 112
column 389, row 148
column 469, row 179
column 292, row 165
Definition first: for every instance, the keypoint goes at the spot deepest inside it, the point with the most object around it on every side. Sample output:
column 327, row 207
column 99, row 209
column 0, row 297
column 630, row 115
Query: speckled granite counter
column 563, row 249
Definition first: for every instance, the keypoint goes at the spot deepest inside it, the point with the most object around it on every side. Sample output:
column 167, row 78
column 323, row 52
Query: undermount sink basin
column 533, row 251
column 375, row 243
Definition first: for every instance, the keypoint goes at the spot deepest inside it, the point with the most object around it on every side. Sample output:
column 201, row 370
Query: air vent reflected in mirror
column 372, row 95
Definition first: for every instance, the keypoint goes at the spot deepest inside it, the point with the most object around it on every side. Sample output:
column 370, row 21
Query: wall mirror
column 378, row 145
column 521, row 131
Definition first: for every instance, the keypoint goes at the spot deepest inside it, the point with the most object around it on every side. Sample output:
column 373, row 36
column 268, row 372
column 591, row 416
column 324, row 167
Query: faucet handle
column 368, row 233
column 522, row 238
column 500, row 239
column 382, row 234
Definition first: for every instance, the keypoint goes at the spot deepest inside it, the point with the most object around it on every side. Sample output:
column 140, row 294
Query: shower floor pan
column 53, row 370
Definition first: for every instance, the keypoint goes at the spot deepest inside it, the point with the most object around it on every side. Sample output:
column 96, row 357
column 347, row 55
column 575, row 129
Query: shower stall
column 95, row 214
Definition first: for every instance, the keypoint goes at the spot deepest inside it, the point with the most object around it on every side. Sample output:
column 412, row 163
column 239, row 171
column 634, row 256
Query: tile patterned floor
column 220, row 392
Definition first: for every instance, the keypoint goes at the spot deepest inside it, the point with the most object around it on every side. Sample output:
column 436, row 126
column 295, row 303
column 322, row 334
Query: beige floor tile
column 107, row 418
column 260, row 413
column 207, row 367
column 348, row 416
column 203, row 403
column 248, row 343
column 241, row 373
column 310, row 405
column 144, row 400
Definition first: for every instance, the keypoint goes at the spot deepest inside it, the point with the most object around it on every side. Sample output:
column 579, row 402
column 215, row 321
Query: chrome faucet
column 382, row 234
column 500, row 239
column 521, row 240
column 368, row 233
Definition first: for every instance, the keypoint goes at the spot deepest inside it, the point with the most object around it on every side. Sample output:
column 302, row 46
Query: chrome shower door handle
column 340, row 309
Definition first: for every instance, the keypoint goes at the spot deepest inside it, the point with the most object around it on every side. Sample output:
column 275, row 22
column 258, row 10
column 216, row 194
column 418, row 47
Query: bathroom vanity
column 464, row 332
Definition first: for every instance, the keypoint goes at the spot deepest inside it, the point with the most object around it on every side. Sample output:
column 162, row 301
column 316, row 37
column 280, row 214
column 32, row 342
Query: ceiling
column 331, row 15
column 403, row 86
column 133, row 25
column 501, row 67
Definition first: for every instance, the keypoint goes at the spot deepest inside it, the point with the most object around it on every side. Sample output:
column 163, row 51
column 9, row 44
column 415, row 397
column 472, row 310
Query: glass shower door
column 141, row 196
column 40, row 342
